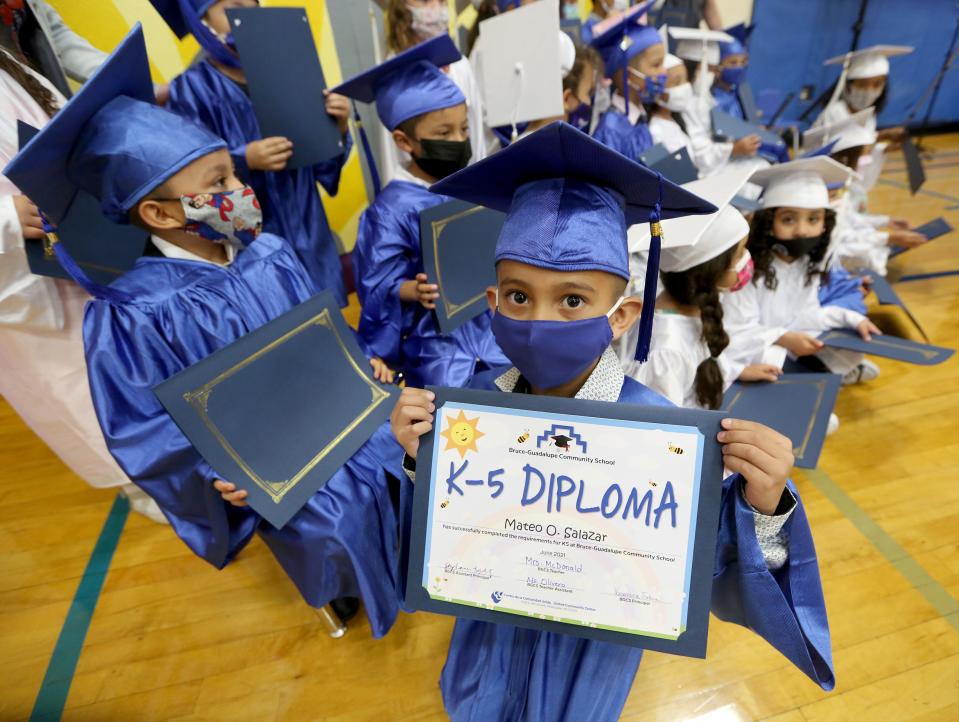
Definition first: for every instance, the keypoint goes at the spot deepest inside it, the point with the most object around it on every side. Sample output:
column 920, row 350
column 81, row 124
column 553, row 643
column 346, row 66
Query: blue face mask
column 571, row 12
column 653, row 86
column 581, row 117
column 733, row 76
column 553, row 353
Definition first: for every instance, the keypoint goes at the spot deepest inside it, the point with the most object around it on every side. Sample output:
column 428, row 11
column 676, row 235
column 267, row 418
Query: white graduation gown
column 755, row 317
column 42, row 368
column 857, row 240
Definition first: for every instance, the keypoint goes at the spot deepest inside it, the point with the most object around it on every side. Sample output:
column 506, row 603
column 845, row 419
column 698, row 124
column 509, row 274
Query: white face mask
column 679, row 98
column 620, row 5
column 428, row 22
column 861, row 98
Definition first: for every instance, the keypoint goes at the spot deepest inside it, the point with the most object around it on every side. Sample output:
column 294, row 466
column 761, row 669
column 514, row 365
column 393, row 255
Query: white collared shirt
column 171, row 250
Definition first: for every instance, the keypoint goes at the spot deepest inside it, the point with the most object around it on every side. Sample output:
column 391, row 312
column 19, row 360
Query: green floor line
column 63, row 662
column 924, row 583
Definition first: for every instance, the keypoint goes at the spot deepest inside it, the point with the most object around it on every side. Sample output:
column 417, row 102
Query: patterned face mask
column 229, row 217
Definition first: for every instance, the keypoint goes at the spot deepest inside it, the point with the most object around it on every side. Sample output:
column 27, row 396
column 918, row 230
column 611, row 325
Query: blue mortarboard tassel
column 652, row 278
column 53, row 246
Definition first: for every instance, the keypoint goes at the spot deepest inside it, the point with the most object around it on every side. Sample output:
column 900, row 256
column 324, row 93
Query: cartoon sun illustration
column 461, row 433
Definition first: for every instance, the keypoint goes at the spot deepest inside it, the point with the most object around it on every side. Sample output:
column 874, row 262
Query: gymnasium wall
column 794, row 37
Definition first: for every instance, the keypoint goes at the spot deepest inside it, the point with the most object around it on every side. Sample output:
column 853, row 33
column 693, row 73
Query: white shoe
column 833, row 424
column 865, row 371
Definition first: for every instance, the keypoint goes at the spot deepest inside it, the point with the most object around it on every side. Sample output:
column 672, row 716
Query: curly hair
column 697, row 287
column 29, row 82
column 761, row 242
column 399, row 27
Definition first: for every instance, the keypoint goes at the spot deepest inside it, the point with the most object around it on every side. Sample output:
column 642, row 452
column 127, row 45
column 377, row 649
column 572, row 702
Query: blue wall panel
column 793, row 38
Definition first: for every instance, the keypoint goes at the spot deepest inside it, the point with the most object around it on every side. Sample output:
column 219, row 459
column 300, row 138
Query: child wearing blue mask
column 426, row 114
column 562, row 269
column 208, row 276
column 733, row 63
column 212, row 92
column 634, row 56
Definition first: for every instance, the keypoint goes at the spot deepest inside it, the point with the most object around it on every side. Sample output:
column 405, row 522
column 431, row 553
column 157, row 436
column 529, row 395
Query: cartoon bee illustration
column 673, row 449
column 522, row 438
column 446, row 503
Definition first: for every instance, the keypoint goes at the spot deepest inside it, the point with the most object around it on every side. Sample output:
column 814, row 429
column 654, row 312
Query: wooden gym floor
column 173, row 639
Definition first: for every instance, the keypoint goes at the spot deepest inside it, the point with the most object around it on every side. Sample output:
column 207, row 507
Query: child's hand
column 747, row 146
column 381, row 372
column 161, row 92
column 906, row 239
column 29, row 216
column 799, row 344
column 339, row 107
column 269, row 154
column 229, row 493
column 764, row 457
column 419, row 291
column 761, row 372
column 867, row 329
column 865, row 285
column 412, row 417
column 899, row 224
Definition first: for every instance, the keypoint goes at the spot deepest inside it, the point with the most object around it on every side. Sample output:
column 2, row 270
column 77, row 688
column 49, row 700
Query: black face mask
column 796, row 248
column 441, row 158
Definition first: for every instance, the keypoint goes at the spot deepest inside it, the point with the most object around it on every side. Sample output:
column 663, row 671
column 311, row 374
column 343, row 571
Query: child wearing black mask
column 789, row 241
column 426, row 114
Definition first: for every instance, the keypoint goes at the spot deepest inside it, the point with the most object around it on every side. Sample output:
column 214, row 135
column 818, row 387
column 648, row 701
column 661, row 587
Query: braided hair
column 761, row 242
column 697, row 287
column 29, row 82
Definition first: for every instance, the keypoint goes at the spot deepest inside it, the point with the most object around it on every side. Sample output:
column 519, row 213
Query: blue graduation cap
column 111, row 141
column 504, row 5
column 405, row 86
column 569, row 200
column 740, row 42
column 625, row 39
column 185, row 17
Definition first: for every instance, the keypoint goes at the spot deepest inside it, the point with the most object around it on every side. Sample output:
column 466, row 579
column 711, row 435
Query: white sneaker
column 865, row 371
column 832, row 425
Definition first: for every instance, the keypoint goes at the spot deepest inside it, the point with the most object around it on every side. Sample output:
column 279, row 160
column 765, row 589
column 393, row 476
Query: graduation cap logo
column 462, row 433
column 561, row 437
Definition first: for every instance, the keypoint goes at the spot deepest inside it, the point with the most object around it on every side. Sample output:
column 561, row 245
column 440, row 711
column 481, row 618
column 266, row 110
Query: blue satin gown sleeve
column 327, row 173
column 382, row 260
column 126, row 359
column 785, row 607
column 727, row 100
column 843, row 290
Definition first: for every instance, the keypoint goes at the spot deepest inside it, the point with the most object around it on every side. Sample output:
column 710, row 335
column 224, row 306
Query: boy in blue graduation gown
column 562, row 270
column 207, row 278
column 733, row 62
column 213, row 93
column 634, row 56
column 426, row 113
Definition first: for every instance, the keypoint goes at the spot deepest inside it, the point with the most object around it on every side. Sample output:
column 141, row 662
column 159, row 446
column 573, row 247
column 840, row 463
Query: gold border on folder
column 199, row 400
column 820, row 388
column 438, row 226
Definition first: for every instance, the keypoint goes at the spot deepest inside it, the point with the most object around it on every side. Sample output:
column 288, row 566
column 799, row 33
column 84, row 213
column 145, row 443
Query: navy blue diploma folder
column 702, row 548
column 677, row 167
column 887, row 296
column 285, row 81
column 103, row 249
column 280, row 410
column 729, row 128
column 458, row 241
column 933, row 229
column 797, row 406
column 900, row 349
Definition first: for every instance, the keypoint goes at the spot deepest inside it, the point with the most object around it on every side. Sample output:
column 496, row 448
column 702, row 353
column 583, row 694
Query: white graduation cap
column 800, row 183
column 522, row 64
column 691, row 240
column 869, row 62
column 695, row 44
column 858, row 129
column 672, row 61
column 567, row 54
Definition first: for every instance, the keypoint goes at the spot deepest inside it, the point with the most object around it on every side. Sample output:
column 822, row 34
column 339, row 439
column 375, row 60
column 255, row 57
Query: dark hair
column 484, row 11
column 587, row 58
column 28, row 81
column 761, row 242
column 399, row 26
column 697, row 287
column 850, row 156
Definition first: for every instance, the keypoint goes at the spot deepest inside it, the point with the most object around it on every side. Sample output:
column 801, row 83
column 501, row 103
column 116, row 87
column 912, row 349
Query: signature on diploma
column 465, row 570
column 638, row 597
